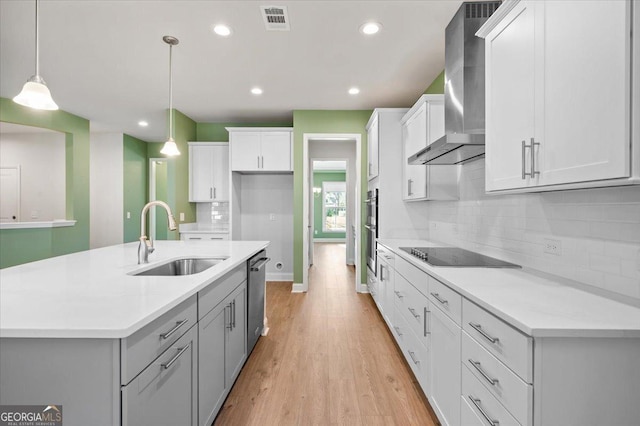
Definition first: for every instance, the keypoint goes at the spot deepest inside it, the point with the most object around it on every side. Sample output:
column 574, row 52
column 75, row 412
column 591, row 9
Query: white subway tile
column 606, row 264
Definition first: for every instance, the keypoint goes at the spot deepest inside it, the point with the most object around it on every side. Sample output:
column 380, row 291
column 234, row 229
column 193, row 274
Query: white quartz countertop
column 535, row 304
column 91, row 294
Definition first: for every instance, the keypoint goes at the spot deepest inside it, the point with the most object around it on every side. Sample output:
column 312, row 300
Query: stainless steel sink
column 186, row 266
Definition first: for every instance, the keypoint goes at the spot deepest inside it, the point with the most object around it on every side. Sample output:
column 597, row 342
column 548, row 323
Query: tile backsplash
column 215, row 214
column 591, row 236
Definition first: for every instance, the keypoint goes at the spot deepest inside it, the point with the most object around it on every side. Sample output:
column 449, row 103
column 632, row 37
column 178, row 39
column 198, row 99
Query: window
column 334, row 207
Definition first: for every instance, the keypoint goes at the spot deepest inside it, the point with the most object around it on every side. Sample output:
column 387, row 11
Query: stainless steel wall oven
column 372, row 229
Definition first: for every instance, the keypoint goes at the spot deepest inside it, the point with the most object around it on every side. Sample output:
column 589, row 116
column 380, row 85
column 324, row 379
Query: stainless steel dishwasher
column 255, row 295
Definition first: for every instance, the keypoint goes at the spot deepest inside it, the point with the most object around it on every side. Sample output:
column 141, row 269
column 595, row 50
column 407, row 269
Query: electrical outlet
column 272, row 216
column 553, row 246
column 181, row 217
column 315, row 232
column 34, row 214
column 128, row 215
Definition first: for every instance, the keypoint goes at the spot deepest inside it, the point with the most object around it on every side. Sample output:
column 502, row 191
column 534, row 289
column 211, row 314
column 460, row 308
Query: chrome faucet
column 146, row 245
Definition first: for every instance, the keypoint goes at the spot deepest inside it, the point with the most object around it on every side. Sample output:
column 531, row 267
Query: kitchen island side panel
column 82, row 375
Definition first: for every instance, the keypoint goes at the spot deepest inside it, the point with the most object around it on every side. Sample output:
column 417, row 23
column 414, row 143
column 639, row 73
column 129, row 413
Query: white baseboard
column 279, row 276
column 363, row 288
column 329, row 240
column 297, row 288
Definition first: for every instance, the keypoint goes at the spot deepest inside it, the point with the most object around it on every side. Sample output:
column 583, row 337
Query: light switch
column 128, row 215
column 181, row 217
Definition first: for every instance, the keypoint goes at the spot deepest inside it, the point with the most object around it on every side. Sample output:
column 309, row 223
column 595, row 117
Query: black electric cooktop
column 456, row 257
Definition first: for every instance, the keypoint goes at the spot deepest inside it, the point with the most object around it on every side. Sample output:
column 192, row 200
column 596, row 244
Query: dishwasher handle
column 258, row 264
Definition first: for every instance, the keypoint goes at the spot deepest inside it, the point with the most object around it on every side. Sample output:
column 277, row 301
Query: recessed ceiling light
column 143, row 123
column 256, row 91
column 222, row 30
column 354, row 91
column 370, row 28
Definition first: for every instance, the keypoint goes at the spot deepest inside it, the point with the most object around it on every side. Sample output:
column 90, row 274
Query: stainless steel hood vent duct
column 463, row 91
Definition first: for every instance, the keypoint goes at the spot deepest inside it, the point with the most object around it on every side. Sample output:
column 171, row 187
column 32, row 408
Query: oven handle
column 370, row 227
column 369, row 200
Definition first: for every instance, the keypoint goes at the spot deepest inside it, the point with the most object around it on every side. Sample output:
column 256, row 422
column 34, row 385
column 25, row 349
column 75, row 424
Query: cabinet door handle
column 211, row 193
column 478, row 328
column 168, row 365
column 483, row 373
column 195, row 238
column 413, row 312
column 409, row 182
column 230, row 326
column 476, row 402
column 258, row 161
column 398, row 294
column 168, row 334
column 439, row 299
column 398, row 331
column 214, row 193
column 533, row 158
column 413, row 357
column 425, row 322
column 381, row 273
column 262, row 158
column 233, row 314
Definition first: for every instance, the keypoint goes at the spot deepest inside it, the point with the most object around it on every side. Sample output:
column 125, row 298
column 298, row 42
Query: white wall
column 263, row 195
column 598, row 230
column 41, row 157
column 106, row 189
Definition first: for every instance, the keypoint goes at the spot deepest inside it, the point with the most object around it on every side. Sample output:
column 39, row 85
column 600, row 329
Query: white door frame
column 359, row 287
column 17, row 190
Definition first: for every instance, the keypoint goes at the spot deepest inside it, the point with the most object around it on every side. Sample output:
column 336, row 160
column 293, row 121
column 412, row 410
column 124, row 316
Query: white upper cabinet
column 422, row 125
column 558, row 93
column 208, row 171
column 260, row 149
column 373, row 147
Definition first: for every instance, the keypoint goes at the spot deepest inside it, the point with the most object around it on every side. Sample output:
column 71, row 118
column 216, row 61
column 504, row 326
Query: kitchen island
column 84, row 332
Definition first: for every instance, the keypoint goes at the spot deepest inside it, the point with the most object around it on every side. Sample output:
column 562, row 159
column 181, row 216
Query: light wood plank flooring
column 328, row 359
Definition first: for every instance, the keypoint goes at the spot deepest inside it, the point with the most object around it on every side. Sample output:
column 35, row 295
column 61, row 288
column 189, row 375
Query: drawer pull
column 168, row 365
column 476, row 365
column 476, row 402
column 398, row 294
column 388, row 257
column 413, row 312
column 439, row 299
column 478, row 328
column 233, row 310
column 398, row 331
column 168, row 334
column 413, row 357
column 425, row 322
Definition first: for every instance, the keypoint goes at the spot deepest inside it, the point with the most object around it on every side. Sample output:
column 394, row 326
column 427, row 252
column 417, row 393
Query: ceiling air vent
column 275, row 18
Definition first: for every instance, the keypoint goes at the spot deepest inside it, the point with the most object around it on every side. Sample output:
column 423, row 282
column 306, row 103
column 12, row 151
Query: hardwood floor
column 328, row 359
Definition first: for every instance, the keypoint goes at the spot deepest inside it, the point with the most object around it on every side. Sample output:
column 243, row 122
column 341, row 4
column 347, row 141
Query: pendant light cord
column 170, row 95
column 37, row 41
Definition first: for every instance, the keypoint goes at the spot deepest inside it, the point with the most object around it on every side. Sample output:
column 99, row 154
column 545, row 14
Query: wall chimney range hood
column 463, row 91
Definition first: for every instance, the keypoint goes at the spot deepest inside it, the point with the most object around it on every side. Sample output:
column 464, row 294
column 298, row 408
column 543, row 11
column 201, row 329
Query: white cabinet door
column 200, row 168
column 245, row 151
column 275, row 151
column 220, row 173
column 586, row 91
column 510, row 98
column 415, row 139
column 211, row 373
column 445, row 367
column 165, row 393
column 373, row 149
column 236, row 338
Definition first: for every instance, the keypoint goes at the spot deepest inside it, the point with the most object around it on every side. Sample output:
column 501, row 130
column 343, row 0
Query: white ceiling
column 106, row 61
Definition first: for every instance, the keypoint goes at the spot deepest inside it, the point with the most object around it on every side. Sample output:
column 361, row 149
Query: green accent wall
column 19, row 246
column 178, row 170
column 325, row 121
column 437, row 85
column 136, row 188
column 318, row 179
column 217, row 132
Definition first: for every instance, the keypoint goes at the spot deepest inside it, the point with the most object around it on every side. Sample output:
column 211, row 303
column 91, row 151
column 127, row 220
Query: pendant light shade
column 170, row 148
column 35, row 93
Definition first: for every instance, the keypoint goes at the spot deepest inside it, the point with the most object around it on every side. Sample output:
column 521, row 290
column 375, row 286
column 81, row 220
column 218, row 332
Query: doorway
column 158, row 190
column 324, row 146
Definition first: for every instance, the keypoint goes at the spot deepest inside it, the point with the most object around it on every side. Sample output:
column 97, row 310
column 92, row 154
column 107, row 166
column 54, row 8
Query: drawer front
column 414, row 306
column 214, row 294
column 415, row 352
column 165, row 393
column 418, row 278
column 482, row 403
column 446, row 299
column 500, row 339
column 204, row 237
column 387, row 255
column 468, row 417
column 142, row 347
column 507, row 387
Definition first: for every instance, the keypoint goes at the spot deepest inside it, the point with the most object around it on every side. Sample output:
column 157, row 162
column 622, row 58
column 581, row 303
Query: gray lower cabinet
column 222, row 352
column 165, row 392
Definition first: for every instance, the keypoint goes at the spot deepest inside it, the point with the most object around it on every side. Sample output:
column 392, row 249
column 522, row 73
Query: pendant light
column 170, row 148
column 35, row 93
